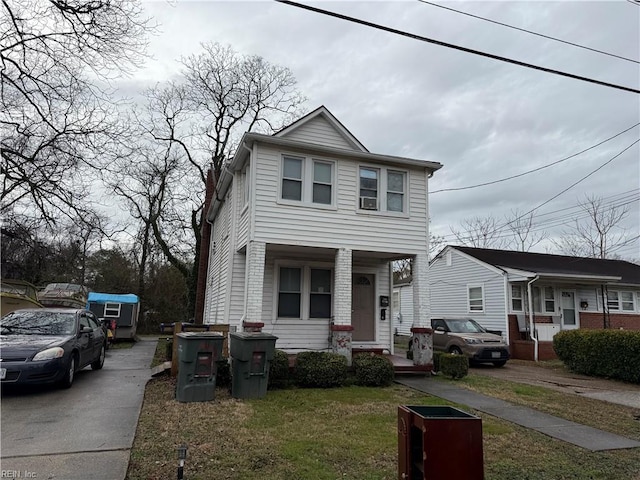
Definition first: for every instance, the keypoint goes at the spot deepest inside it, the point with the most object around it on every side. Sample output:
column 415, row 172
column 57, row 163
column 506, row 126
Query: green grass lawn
column 350, row 433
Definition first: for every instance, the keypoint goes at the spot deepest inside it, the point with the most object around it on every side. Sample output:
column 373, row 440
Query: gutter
column 531, row 326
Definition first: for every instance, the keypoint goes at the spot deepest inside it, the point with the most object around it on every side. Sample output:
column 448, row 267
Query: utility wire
column 535, row 169
column 455, row 47
column 529, row 31
column 573, row 184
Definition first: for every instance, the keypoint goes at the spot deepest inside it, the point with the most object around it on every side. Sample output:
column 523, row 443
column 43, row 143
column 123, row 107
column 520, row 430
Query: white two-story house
column 305, row 226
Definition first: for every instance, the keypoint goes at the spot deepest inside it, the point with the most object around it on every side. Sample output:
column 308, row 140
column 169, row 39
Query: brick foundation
column 625, row 321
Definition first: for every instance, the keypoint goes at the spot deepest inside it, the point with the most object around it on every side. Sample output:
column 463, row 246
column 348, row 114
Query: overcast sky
column 482, row 119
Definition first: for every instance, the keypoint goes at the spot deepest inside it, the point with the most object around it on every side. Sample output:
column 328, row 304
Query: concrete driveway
column 84, row 432
column 561, row 380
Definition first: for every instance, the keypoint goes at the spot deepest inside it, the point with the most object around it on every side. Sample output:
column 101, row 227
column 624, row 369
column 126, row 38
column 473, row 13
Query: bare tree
column 599, row 235
column 194, row 124
column 525, row 237
column 480, row 233
column 56, row 112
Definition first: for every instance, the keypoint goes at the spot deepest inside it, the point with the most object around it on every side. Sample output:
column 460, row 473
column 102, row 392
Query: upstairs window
column 292, row 178
column 307, row 180
column 369, row 188
column 395, row 191
column 381, row 189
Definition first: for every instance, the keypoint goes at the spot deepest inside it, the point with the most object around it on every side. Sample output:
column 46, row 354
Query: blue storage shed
column 123, row 308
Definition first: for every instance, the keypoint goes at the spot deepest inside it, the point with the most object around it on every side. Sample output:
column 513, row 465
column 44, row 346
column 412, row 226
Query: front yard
column 350, row 433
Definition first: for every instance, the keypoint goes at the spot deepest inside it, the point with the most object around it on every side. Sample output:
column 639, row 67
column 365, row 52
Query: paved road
column 80, row 433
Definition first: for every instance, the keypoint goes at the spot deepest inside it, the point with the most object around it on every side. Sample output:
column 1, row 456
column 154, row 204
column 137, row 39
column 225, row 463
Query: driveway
column 561, row 380
column 84, row 432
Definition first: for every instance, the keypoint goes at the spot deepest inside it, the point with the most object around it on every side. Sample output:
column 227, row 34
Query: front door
column 569, row 311
column 363, row 308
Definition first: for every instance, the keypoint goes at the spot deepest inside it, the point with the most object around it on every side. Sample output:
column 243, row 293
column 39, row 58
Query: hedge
column 279, row 376
column 321, row 370
column 454, row 366
column 602, row 353
column 372, row 370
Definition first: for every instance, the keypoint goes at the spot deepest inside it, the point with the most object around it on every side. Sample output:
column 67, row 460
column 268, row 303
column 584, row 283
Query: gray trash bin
column 251, row 355
column 198, row 353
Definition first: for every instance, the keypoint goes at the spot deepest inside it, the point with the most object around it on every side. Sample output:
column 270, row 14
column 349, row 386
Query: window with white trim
column 517, row 303
column 307, row 180
column 304, row 292
column 621, row 301
column 544, row 300
column 289, row 292
column 246, row 183
column 382, row 189
column 112, row 309
column 476, row 298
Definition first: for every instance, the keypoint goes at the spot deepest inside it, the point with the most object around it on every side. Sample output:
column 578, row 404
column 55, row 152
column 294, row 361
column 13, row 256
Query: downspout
column 531, row 326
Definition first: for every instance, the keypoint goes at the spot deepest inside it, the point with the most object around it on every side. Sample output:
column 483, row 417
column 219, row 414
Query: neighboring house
column 305, row 224
column 519, row 292
column 123, row 308
column 402, row 302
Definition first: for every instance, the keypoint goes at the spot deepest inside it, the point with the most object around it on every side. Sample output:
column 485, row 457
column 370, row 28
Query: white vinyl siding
column 317, row 227
column 319, row 131
column 448, row 286
column 404, row 315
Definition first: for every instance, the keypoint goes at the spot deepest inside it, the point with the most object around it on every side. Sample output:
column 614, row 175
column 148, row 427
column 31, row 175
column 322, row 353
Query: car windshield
column 38, row 323
column 464, row 326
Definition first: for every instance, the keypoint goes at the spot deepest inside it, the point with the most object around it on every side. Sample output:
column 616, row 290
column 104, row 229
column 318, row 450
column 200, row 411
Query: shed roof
column 95, row 297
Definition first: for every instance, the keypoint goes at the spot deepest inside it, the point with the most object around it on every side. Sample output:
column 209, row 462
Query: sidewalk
column 571, row 432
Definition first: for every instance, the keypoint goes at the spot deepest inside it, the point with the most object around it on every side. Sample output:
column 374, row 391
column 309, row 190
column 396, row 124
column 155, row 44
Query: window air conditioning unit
column 368, row 203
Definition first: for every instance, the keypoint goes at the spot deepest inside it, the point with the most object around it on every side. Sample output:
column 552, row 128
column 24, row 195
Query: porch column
column 422, row 341
column 256, row 252
column 341, row 326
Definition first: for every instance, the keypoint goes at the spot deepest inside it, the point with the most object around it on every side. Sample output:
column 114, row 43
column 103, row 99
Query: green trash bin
column 251, row 355
column 197, row 356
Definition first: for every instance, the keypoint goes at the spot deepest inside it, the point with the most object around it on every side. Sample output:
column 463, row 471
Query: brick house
column 305, row 225
column 531, row 296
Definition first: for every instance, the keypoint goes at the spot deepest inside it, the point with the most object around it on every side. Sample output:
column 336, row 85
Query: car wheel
column 99, row 362
column 455, row 351
column 500, row 363
column 70, row 373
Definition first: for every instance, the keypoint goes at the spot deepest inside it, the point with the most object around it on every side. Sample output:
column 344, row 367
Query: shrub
column 436, row 361
column 454, row 366
column 320, row 370
column 602, row 353
column 223, row 373
column 279, row 370
column 372, row 370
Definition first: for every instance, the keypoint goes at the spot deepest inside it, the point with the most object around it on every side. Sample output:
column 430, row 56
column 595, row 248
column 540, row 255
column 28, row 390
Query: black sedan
column 49, row 345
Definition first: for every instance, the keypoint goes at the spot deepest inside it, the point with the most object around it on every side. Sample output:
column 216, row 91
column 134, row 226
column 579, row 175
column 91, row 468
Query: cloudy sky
column 484, row 120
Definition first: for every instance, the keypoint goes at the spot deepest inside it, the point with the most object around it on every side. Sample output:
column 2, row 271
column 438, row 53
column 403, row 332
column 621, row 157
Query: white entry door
column 570, row 318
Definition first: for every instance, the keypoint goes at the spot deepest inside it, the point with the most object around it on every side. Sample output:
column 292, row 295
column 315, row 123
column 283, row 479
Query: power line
column 535, row 169
column 530, row 32
column 455, row 47
column 575, row 183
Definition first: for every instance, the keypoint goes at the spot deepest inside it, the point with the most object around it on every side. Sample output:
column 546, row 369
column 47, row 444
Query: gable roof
column 550, row 265
column 323, row 112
